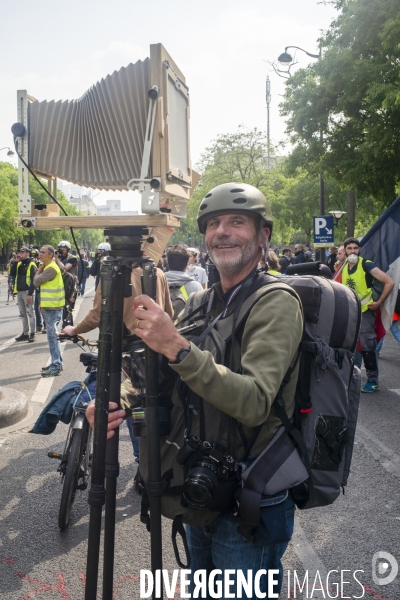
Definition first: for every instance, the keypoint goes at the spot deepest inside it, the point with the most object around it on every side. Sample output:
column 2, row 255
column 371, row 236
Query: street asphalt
column 38, row 561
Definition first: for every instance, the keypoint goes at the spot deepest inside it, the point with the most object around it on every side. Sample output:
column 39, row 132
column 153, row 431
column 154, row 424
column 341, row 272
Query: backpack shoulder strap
column 184, row 293
column 268, row 288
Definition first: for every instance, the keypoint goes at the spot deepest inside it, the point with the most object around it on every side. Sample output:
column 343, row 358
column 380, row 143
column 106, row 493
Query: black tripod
column 116, row 270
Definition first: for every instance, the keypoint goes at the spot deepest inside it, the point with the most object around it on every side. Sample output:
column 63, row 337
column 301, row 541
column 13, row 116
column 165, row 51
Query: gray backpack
column 179, row 296
column 311, row 453
column 327, row 399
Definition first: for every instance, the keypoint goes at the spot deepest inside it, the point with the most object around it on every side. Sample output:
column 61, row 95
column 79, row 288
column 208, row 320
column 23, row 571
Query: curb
column 13, row 407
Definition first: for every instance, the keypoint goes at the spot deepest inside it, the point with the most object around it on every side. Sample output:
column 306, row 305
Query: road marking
column 395, row 391
column 389, row 460
column 309, row 559
column 7, row 344
column 43, row 388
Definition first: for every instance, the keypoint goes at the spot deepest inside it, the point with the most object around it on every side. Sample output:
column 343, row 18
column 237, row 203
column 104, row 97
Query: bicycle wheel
column 71, row 478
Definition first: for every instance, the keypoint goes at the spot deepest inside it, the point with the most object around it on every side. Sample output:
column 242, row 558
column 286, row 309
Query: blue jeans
column 135, row 440
column 220, row 546
column 83, row 285
column 38, row 314
column 395, row 329
column 51, row 318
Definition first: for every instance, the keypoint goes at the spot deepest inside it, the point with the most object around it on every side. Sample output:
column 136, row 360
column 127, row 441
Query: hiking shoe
column 22, row 338
column 51, row 367
column 52, row 372
column 31, row 337
column 370, row 386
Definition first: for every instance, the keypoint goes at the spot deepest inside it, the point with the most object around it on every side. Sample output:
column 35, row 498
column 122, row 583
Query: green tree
column 240, row 157
column 351, row 95
column 8, row 203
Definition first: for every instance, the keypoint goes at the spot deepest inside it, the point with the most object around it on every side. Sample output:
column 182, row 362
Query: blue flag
column 381, row 244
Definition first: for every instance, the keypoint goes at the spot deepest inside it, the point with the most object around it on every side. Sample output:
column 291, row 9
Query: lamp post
column 10, row 152
column 287, row 59
column 337, row 214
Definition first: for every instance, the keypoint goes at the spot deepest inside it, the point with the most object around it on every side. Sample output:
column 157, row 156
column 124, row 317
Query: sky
column 57, row 50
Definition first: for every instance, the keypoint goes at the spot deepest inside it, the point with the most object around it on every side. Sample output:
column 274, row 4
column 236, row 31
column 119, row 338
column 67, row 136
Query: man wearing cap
column 223, row 394
column 52, row 301
column 23, row 273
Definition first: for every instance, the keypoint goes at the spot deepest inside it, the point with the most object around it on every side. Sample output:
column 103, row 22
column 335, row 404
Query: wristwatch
column 181, row 354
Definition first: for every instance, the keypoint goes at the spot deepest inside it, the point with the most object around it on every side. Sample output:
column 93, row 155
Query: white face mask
column 353, row 259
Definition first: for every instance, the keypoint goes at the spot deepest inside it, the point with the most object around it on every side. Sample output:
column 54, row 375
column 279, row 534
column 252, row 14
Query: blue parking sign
column 324, row 234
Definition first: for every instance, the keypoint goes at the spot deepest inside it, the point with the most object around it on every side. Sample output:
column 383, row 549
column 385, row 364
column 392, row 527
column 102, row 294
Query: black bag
column 70, row 286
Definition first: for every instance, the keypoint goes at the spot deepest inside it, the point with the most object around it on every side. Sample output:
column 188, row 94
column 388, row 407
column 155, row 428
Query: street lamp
column 338, row 214
column 286, row 59
column 10, row 152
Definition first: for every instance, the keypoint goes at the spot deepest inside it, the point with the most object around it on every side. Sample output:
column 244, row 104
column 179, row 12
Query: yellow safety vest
column 52, row 292
column 272, row 272
column 28, row 275
column 357, row 282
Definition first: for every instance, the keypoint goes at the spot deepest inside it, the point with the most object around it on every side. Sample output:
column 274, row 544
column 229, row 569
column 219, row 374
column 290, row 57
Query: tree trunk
column 351, row 212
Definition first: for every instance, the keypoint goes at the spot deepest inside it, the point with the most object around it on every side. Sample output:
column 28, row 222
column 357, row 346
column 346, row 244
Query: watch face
column 182, row 354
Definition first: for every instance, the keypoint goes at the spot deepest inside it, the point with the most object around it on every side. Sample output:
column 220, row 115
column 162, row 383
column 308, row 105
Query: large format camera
column 209, row 465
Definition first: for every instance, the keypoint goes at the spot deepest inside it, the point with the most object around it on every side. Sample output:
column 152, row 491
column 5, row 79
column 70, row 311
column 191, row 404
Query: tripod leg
column 154, row 484
column 97, row 492
column 112, row 464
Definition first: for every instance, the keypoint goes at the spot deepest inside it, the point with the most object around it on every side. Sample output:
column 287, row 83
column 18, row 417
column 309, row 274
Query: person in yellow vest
column 272, row 264
column 23, row 273
column 358, row 274
column 180, row 283
column 52, row 301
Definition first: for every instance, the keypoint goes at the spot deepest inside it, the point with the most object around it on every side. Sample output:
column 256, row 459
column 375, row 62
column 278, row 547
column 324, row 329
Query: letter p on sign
column 320, row 223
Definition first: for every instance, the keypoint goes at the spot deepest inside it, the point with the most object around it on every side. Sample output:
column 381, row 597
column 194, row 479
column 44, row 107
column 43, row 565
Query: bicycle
column 10, row 292
column 75, row 460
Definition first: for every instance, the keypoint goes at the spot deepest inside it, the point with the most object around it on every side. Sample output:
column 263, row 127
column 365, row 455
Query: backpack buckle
column 339, row 357
column 305, row 406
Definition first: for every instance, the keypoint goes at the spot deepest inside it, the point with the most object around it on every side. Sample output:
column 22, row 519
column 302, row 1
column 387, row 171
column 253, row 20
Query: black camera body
column 209, row 465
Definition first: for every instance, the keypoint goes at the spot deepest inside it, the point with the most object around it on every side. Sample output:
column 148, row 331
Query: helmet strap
column 264, row 241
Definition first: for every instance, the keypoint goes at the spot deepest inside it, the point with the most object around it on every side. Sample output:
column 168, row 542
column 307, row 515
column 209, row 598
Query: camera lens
column 199, row 487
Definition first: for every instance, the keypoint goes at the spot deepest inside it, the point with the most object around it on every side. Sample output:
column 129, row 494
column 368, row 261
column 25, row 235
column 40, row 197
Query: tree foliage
column 11, row 235
column 8, row 202
column 351, row 95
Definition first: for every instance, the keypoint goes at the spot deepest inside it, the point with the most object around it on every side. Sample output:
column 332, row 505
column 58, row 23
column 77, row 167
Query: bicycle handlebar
column 63, row 337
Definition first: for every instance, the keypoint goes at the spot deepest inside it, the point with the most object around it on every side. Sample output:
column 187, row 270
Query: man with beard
column 358, row 274
column 301, row 256
column 226, row 400
column 65, row 259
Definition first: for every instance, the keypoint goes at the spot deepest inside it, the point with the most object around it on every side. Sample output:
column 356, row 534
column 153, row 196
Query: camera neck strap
column 239, row 293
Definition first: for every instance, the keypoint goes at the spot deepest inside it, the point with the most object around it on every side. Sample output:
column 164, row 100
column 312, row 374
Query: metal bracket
column 25, row 200
column 150, row 197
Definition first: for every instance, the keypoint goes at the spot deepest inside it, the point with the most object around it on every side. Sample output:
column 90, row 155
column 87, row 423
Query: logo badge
column 384, row 568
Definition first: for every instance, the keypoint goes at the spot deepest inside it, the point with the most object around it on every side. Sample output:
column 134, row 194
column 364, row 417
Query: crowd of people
column 46, row 282
column 188, row 270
